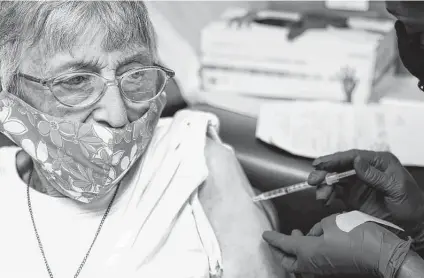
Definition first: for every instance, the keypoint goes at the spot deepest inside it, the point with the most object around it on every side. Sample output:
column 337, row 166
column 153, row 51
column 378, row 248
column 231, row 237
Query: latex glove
column 368, row 249
column 382, row 187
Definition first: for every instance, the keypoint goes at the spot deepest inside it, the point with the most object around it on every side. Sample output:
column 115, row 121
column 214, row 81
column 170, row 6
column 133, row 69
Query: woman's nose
column 111, row 109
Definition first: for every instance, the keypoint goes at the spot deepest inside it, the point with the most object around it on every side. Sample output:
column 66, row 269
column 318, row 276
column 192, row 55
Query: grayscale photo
column 212, row 139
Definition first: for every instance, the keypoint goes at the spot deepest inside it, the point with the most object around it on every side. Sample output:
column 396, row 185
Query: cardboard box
column 329, row 63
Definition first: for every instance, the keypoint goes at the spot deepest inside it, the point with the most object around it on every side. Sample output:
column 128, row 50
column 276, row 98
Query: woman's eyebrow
column 93, row 66
column 142, row 58
column 96, row 66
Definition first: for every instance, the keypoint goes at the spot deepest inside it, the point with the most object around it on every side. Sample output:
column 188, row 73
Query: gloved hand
column 368, row 249
column 382, row 187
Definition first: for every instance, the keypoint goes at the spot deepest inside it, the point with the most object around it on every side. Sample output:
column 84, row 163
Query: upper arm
column 238, row 222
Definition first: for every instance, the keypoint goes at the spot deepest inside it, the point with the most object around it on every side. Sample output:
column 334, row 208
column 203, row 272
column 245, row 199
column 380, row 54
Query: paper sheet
column 350, row 220
column 313, row 129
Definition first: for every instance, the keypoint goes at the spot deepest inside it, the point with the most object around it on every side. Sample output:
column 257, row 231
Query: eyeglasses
column 83, row 89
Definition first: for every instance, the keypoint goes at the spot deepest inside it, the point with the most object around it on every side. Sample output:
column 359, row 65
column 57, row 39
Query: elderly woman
column 112, row 190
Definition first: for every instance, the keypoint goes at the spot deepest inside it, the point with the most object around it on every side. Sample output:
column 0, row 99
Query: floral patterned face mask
column 82, row 161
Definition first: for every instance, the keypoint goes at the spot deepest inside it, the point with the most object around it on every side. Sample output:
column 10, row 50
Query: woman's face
column 112, row 110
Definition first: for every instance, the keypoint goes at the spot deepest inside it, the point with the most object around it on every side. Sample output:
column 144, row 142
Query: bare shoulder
column 227, row 183
column 224, row 167
column 238, row 222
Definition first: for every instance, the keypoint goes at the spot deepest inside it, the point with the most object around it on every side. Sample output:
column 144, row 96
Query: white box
column 321, row 63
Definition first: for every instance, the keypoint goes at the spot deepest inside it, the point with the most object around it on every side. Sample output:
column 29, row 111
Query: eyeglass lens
column 84, row 88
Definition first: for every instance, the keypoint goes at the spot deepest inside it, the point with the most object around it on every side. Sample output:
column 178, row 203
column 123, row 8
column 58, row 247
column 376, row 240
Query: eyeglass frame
column 48, row 82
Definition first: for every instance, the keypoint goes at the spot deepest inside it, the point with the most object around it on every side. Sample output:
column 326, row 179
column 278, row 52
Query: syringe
column 330, row 179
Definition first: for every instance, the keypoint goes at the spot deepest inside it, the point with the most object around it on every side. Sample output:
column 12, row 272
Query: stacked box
column 260, row 58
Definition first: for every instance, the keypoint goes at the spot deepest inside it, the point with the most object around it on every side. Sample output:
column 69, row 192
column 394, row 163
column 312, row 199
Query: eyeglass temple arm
column 168, row 71
column 32, row 78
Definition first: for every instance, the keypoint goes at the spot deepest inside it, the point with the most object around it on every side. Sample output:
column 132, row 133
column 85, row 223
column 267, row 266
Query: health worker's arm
column 238, row 223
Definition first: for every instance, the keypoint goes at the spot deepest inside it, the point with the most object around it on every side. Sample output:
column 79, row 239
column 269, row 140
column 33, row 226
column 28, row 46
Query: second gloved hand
column 368, row 249
column 382, row 187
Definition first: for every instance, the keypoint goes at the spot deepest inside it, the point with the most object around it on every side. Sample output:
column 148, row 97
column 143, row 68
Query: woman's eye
column 76, row 80
column 137, row 75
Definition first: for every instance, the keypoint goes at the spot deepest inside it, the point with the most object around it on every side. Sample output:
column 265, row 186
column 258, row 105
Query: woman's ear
column 24, row 165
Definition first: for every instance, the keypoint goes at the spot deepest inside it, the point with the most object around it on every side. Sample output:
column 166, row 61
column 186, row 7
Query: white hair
column 59, row 24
